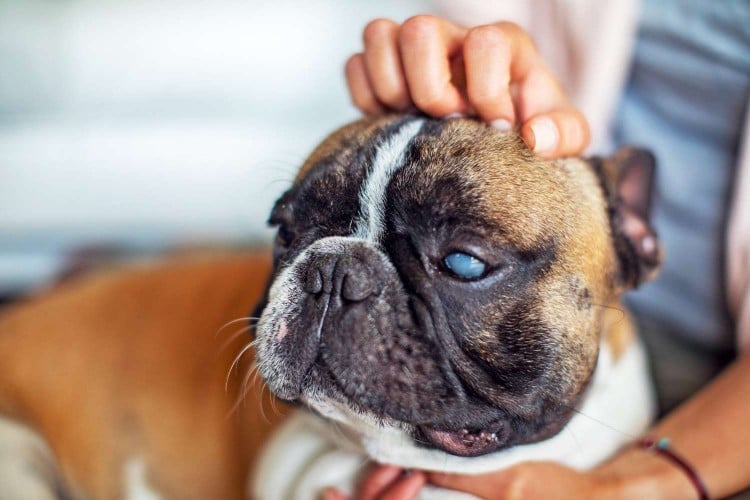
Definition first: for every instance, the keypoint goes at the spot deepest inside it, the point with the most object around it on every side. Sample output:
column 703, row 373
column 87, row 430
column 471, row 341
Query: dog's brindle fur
column 127, row 365
column 507, row 356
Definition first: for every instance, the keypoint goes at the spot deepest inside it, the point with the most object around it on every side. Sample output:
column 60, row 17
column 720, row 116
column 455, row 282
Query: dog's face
column 437, row 277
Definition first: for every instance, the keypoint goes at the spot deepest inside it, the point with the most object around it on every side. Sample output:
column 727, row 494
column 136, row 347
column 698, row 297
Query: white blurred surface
column 154, row 123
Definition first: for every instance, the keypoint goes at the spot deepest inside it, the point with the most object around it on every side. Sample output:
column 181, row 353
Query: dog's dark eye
column 465, row 266
column 284, row 237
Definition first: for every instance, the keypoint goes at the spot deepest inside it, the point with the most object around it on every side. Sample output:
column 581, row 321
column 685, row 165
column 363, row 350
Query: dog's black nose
column 343, row 276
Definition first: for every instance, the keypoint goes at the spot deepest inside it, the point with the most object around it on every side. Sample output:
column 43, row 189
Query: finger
column 487, row 56
column 538, row 90
column 406, row 488
column 383, row 64
column 332, row 494
column 540, row 95
column 426, row 44
column 482, row 486
column 562, row 132
column 359, row 88
column 377, row 480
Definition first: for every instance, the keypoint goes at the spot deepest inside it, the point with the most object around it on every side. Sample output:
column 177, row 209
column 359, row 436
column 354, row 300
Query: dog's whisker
column 232, row 322
column 237, row 358
column 243, row 392
column 602, row 423
column 236, row 406
column 573, row 437
column 245, row 380
column 274, row 407
column 263, row 388
column 622, row 312
column 234, row 337
column 337, row 429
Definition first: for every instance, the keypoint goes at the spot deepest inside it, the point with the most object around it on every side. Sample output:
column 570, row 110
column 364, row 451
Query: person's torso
column 686, row 100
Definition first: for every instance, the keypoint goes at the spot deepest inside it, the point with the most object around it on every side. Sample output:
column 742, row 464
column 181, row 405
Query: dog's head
column 437, row 277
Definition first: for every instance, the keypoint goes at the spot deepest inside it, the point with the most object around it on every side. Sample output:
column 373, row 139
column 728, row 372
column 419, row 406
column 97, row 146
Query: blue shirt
column 685, row 100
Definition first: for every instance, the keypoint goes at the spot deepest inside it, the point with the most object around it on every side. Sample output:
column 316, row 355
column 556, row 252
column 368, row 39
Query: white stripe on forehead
column 389, row 158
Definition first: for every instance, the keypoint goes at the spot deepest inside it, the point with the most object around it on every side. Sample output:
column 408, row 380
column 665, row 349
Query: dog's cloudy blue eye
column 465, row 266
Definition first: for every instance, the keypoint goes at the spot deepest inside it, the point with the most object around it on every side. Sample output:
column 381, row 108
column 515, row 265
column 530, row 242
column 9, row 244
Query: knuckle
column 489, row 108
column 429, row 100
column 486, row 96
column 363, row 101
column 377, row 29
column 487, row 35
column 419, row 26
column 393, row 97
column 510, row 27
column 513, row 30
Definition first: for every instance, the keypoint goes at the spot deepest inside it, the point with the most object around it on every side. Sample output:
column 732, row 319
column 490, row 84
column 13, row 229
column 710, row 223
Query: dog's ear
column 627, row 178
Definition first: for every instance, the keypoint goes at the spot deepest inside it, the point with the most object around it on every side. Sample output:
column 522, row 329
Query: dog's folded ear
column 627, row 178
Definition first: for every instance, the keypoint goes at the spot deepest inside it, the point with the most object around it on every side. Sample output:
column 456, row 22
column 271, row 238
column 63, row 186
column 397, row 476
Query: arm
column 710, row 431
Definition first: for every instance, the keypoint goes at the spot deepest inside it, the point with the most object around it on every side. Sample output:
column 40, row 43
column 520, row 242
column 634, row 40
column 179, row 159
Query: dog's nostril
column 314, row 281
column 345, row 277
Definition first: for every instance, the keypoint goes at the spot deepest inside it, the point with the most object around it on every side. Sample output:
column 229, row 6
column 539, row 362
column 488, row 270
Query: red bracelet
column 661, row 446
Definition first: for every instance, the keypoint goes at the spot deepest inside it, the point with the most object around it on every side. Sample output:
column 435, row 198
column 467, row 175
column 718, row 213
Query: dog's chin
column 464, row 442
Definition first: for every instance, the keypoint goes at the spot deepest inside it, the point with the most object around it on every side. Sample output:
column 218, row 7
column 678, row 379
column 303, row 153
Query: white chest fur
column 308, row 454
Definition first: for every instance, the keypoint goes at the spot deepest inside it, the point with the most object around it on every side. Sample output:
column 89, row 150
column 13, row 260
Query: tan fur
column 342, row 142
column 537, row 201
column 127, row 365
column 618, row 327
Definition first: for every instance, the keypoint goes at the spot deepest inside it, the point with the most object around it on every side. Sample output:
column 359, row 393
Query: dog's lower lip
column 462, row 442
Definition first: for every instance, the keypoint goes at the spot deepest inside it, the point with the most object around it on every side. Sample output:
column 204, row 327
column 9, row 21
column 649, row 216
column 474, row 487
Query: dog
column 117, row 384
column 439, row 298
column 444, row 300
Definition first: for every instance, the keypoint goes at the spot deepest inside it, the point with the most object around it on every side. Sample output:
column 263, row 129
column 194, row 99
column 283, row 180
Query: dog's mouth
column 464, row 442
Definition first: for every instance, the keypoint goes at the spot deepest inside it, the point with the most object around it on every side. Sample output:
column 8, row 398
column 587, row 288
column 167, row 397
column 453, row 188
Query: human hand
column 527, row 480
column 493, row 71
column 383, row 482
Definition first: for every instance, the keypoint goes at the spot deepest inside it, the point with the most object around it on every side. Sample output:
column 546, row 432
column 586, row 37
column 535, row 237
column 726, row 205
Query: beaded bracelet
column 661, row 446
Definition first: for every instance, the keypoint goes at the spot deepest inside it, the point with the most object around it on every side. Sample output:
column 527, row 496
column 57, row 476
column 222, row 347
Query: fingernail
column 545, row 135
column 454, row 115
column 501, row 124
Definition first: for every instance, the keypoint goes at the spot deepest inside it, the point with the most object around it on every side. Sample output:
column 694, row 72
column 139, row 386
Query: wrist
column 635, row 474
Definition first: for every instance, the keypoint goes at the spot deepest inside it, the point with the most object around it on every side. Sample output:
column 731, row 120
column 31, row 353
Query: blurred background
column 136, row 126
